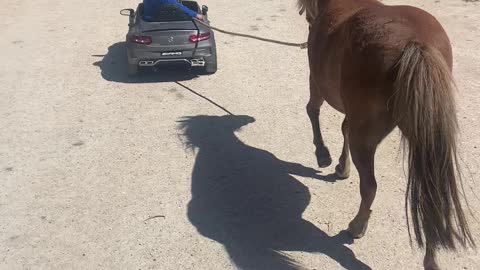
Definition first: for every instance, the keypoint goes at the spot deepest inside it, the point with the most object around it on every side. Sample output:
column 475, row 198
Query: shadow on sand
column 246, row 199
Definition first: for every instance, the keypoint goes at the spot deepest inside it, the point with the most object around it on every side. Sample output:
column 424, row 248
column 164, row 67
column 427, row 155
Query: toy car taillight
column 201, row 37
column 141, row 39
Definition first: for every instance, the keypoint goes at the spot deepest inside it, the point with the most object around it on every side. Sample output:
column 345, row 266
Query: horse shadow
column 246, row 199
column 114, row 68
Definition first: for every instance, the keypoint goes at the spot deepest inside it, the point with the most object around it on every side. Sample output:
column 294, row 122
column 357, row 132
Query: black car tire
column 211, row 64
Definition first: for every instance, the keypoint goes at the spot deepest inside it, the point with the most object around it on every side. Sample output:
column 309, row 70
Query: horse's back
column 381, row 33
column 355, row 59
column 377, row 37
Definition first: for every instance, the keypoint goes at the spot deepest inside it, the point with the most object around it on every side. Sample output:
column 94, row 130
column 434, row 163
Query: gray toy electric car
column 171, row 36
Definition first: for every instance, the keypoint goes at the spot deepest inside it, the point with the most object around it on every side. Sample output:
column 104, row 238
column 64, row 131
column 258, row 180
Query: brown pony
column 387, row 66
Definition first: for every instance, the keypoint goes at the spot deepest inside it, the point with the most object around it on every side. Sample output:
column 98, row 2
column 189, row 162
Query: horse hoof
column 357, row 231
column 358, row 227
column 323, row 157
column 430, row 264
column 432, row 267
column 341, row 173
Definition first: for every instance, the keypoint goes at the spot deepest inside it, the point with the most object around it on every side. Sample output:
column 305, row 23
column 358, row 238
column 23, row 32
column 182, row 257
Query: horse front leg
column 313, row 110
column 343, row 168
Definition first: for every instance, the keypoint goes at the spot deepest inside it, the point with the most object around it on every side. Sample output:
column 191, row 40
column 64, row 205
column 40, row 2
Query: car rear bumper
column 194, row 62
column 144, row 56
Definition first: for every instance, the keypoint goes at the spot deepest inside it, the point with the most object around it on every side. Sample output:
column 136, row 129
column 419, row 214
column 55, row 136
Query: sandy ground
column 86, row 156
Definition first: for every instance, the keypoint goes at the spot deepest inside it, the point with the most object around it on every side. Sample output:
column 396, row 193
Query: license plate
column 171, row 53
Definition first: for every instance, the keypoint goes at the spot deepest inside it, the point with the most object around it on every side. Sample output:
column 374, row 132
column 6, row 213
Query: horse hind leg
column 430, row 259
column 342, row 170
column 363, row 157
column 364, row 140
column 313, row 110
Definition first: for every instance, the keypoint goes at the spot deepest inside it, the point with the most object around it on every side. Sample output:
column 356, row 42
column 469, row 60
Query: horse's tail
column 424, row 108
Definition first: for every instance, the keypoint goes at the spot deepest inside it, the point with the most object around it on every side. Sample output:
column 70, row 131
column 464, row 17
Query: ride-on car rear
column 171, row 36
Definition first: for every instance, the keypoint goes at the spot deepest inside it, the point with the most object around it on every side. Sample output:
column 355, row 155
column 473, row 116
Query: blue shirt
column 151, row 6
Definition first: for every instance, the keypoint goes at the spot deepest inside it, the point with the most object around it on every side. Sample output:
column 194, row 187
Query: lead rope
column 300, row 45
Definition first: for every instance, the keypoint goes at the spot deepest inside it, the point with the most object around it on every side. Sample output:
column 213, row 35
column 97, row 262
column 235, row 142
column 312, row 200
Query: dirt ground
column 87, row 155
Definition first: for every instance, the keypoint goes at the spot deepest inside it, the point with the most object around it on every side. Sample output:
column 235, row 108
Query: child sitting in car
column 150, row 8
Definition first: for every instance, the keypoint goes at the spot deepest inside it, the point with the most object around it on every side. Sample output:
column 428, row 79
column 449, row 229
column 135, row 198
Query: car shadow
column 247, row 199
column 113, row 66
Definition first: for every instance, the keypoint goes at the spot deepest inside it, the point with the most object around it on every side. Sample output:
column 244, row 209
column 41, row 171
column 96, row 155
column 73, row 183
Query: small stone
column 79, row 143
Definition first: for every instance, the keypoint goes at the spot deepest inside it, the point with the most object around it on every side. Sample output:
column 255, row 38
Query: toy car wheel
column 211, row 64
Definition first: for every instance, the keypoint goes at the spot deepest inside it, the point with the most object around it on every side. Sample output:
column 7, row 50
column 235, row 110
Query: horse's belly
column 334, row 99
column 329, row 87
column 337, row 104
column 325, row 68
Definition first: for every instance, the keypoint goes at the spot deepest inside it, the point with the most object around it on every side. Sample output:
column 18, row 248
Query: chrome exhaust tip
column 146, row 63
column 197, row 62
